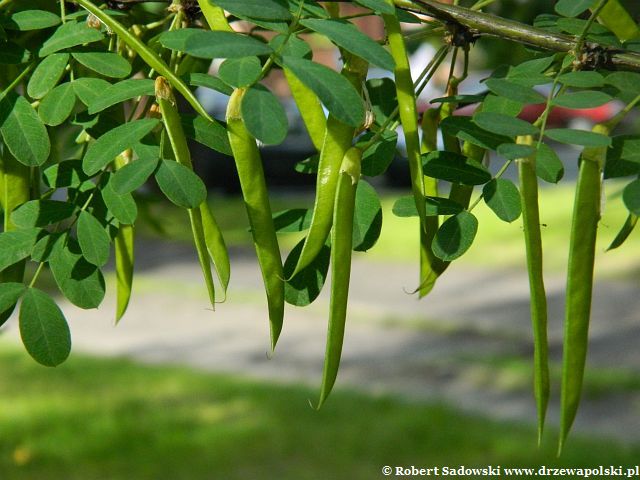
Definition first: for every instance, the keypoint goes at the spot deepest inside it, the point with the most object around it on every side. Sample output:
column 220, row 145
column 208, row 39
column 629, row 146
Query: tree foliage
column 108, row 75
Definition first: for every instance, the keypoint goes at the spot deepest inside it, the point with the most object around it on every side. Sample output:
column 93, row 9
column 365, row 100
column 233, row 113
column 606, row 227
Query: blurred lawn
column 500, row 244
column 497, row 244
column 112, row 419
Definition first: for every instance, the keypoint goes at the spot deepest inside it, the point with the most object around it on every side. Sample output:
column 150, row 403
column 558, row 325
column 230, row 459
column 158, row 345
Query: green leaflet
column 292, row 220
column 582, row 79
column 303, row 288
column 23, row 132
column 57, row 105
column 264, row 116
column 213, row 44
column 367, row 217
column 346, row 35
column 209, row 134
column 582, row 99
column 631, row 197
column 455, row 236
column 465, row 129
column 455, row 168
column 262, row 9
column 598, row 32
column 40, row 213
column 379, row 6
column 79, row 281
column 623, row 158
column 16, row 245
column 572, row 136
column 495, row 104
column 626, row 82
column 240, row 72
column 514, row 91
column 113, row 143
column 548, row 165
column 434, row 206
column 105, row 63
column 119, row 92
column 294, row 46
column 339, row 96
column 530, row 68
column 502, row 124
column 88, row 90
column 69, row 35
column 134, row 174
column 310, row 8
column 43, row 328
column 26, row 20
column 625, row 231
column 573, row 8
column 47, row 74
column 122, row 207
column 503, row 198
column 180, row 184
column 94, row 241
column 10, row 293
column 383, row 97
column 379, row 156
column 208, row 81
column 513, row 151
column 43, row 248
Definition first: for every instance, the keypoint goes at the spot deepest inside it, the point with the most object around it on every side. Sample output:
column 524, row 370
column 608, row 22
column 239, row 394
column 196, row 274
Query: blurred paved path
column 448, row 346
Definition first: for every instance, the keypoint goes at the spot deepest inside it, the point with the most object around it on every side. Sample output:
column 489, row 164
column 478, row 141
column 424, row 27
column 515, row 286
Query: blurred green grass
column 497, row 244
column 113, row 419
column 501, row 245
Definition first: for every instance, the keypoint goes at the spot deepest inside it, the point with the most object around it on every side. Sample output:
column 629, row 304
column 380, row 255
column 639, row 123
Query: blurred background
column 177, row 391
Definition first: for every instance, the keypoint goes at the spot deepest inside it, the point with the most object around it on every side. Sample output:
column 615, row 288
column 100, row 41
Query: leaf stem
column 36, row 275
column 270, row 61
column 481, row 4
column 498, row 174
column 16, row 81
column 587, row 27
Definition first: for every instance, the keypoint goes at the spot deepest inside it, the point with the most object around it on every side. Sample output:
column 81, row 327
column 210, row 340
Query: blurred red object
column 563, row 116
column 559, row 116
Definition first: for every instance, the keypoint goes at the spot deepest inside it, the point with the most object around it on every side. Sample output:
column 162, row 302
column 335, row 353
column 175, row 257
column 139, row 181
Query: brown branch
column 486, row 24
